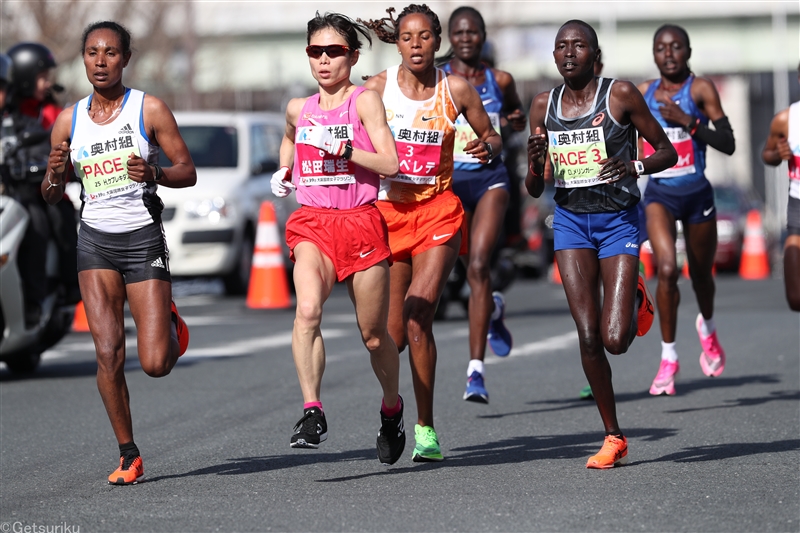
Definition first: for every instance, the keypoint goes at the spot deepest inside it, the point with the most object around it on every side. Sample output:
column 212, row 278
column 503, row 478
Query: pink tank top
column 328, row 181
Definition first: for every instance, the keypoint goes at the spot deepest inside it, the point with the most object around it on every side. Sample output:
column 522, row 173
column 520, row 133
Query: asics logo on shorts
column 365, row 254
column 631, row 245
column 708, row 211
column 158, row 263
column 440, row 237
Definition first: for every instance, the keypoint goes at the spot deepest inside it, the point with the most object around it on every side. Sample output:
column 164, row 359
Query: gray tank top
column 576, row 145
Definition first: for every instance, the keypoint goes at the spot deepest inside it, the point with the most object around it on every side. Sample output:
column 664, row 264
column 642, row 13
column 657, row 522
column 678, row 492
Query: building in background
column 250, row 55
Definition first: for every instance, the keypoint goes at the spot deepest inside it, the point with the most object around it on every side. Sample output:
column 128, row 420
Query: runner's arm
column 384, row 160
column 469, row 104
column 537, row 146
column 54, row 180
column 293, row 110
column 162, row 129
column 626, row 98
column 721, row 137
column 777, row 148
column 512, row 106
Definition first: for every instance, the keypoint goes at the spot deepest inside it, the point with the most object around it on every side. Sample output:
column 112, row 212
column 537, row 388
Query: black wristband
column 348, row 149
column 158, row 172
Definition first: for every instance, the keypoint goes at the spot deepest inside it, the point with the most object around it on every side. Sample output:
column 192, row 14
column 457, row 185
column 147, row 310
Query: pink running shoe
column 712, row 358
column 664, row 383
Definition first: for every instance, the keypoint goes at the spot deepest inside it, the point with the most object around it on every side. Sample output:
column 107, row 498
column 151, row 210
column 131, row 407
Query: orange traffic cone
column 755, row 262
column 79, row 323
column 269, row 287
column 646, row 257
column 685, row 270
column 555, row 276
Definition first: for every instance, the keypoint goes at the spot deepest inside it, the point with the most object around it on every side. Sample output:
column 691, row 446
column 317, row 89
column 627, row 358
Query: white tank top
column 794, row 144
column 112, row 202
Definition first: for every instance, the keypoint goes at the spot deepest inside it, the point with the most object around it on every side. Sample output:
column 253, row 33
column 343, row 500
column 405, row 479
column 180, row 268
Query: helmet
column 28, row 60
column 5, row 69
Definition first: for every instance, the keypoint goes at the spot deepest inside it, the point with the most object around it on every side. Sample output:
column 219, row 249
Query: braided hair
column 386, row 29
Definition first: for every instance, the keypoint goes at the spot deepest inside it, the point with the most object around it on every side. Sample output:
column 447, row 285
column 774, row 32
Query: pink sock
column 313, row 404
column 394, row 410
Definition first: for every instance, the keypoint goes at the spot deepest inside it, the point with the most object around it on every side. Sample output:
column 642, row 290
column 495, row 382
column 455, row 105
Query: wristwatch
column 639, row 167
column 489, row 149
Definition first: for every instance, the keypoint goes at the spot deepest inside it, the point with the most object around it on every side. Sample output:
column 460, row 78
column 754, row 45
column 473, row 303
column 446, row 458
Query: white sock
column 495, row 312
column 475, row 365
column 668, row 352
column 707, row 327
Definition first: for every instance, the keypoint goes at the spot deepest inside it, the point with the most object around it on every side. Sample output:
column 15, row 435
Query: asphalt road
column 721, row 455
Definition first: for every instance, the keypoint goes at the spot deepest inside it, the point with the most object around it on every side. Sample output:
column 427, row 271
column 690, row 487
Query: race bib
column 465, row 134
column 576, row 156
column 794, row 167
column 419, row 152
column 682, row 142
column 103, row 169
column 318, row 167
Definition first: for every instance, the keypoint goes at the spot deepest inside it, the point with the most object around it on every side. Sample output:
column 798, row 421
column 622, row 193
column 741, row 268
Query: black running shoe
column 310, row 430
column 391, row 437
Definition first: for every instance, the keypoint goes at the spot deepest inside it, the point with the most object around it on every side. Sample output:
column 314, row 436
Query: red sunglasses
column 332, row 50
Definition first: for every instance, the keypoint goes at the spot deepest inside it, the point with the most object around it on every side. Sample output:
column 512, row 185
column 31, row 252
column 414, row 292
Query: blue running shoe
column 499, row 337
column 476, row 392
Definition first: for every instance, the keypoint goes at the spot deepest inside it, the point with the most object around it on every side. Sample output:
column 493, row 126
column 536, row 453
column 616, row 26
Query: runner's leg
column 314, row 277
column 103, row 293
column 369, row 291
column 662, row 233
column 485, row 227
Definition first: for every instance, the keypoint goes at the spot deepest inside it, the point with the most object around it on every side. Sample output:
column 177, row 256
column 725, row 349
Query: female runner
column 113, row 137
column 426, row 221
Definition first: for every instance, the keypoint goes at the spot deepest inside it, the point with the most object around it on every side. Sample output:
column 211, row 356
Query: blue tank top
column 691, row 152
column 492, row 98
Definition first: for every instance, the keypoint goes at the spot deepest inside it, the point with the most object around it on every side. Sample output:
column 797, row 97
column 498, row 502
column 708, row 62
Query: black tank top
column 575, row 145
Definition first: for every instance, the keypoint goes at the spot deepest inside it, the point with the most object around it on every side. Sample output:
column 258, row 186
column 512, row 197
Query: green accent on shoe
column 427, row 447
column 641, row 268
column 586, row 393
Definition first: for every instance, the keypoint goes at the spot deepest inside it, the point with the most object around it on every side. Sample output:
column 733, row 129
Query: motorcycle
column 21, row 344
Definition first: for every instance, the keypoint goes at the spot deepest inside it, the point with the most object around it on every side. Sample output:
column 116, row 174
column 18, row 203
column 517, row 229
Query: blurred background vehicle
column 211, row 227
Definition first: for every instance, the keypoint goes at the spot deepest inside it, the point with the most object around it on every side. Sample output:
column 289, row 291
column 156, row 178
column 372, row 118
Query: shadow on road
column 684, row 388
column 730, row 450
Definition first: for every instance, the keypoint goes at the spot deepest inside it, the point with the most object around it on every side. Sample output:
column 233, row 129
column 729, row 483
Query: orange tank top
column 424, row 132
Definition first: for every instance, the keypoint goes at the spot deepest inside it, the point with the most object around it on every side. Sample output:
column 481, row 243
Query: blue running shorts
column 610, row 234
column 471, row 185
column 692, row 203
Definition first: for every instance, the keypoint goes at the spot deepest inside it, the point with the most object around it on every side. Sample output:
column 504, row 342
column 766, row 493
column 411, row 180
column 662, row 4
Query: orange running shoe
column 129, row 472
column 614, row 452
column 182, row 329
column 646, row 311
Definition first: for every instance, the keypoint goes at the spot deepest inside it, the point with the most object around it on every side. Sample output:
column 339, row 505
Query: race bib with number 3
column 576, row 156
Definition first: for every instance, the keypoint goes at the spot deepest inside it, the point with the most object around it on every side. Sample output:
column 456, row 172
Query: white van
column 211, row 227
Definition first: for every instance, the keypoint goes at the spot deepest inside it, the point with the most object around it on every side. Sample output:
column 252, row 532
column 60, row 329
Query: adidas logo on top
column 158, row 263
column 126, row 129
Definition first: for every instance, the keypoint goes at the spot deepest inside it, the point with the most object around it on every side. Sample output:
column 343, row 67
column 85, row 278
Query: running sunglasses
column 332, row 50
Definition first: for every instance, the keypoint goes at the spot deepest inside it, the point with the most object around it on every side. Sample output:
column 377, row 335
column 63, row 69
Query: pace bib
column 103, row 168
column 576, row 155
column 465, row 134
